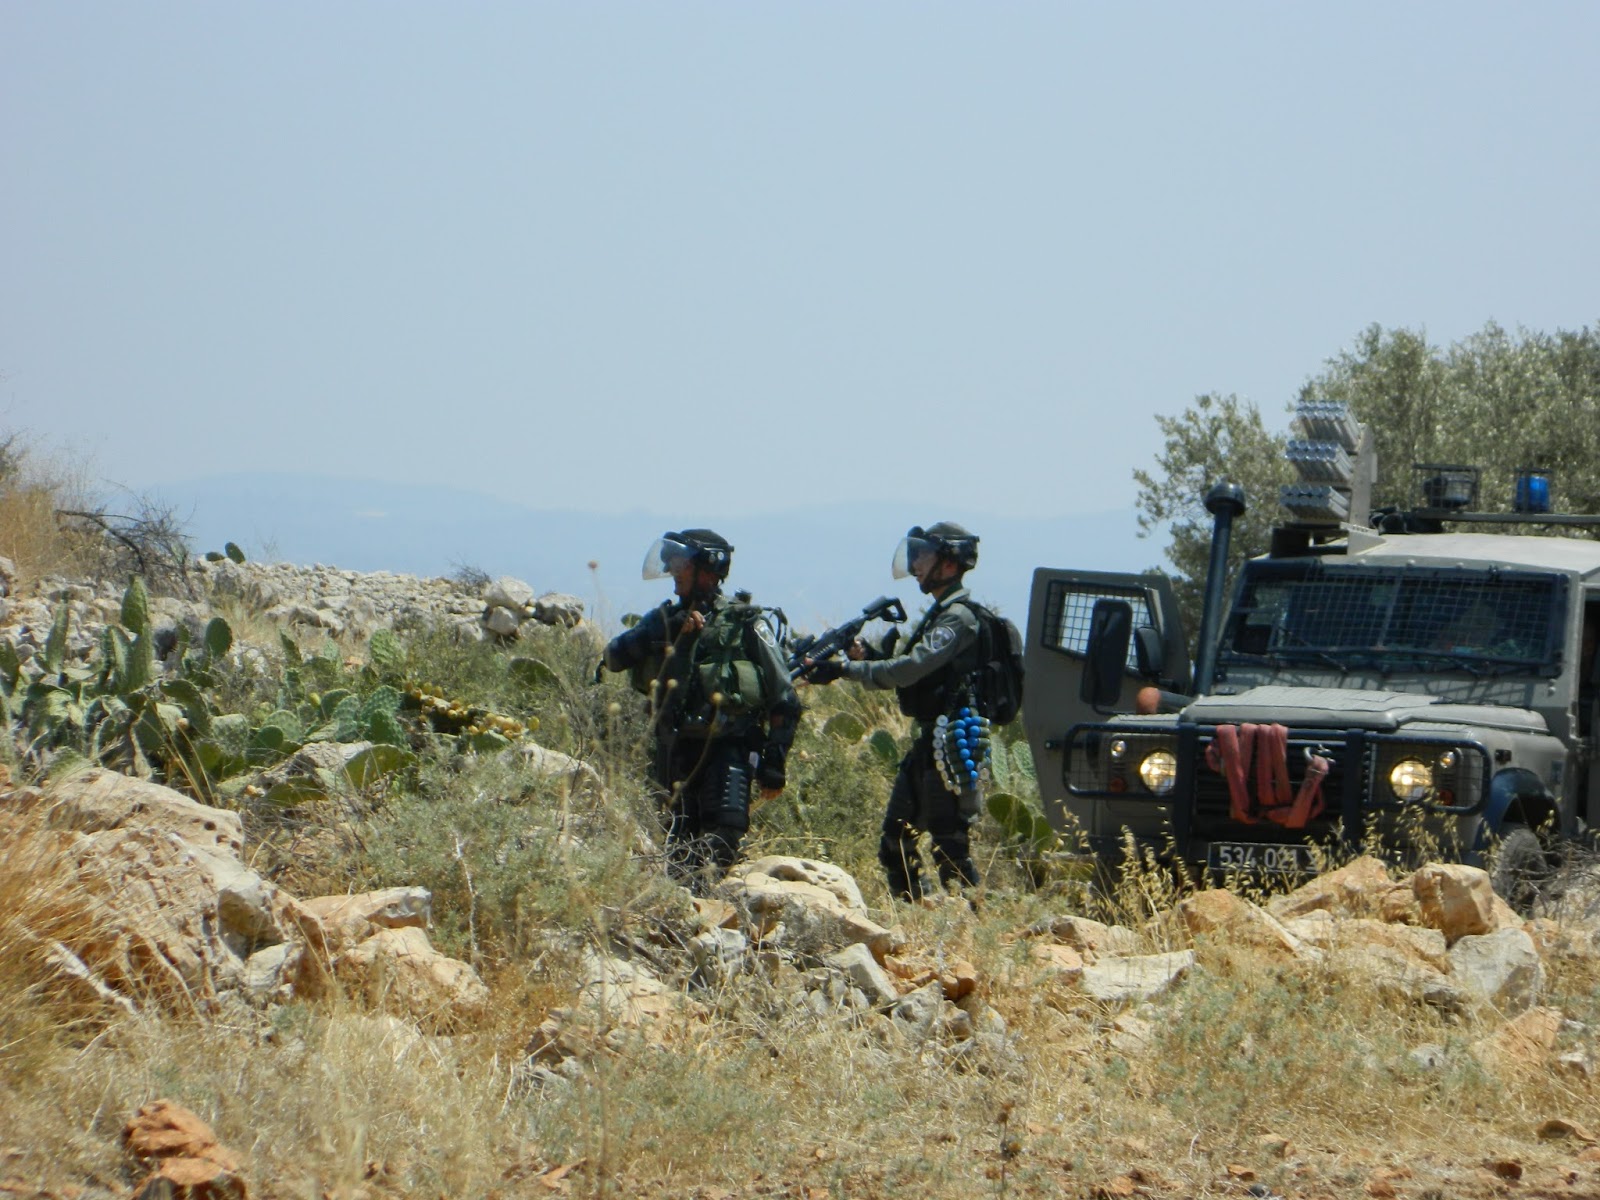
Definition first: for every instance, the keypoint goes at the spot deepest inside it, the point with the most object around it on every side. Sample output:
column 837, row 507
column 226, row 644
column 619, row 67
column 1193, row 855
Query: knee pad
column 733, row 802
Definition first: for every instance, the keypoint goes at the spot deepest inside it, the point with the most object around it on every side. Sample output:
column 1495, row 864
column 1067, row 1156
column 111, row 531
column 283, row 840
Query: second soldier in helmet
column 927, row 673
column 723, row 711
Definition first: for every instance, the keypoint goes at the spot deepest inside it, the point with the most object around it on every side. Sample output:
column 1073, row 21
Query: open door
column 1060, row 616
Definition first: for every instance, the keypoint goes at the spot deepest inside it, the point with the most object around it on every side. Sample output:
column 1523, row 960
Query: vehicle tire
column 1522, row 869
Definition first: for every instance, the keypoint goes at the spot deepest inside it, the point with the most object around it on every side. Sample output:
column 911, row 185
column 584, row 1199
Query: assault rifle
column 838, row 639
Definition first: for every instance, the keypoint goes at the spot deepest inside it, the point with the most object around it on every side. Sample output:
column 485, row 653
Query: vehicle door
column 1061, row 608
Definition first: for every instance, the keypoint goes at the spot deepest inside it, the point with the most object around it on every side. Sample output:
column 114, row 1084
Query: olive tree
column 1494, row 400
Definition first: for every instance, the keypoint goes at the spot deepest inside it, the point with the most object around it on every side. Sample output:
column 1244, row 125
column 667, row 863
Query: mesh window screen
column 1067, row 613
column 1504, row 616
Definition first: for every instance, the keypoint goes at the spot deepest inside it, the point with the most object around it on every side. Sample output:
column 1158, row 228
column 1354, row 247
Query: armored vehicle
column 1407, row 682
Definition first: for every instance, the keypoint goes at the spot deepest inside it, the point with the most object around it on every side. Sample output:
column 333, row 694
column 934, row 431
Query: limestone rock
column 1398, row 905
column 558, row 608
column 501, row 622
column 552, row 764
column 619, row 1003
column 1524, row 1044
column 1354, row 889
column 1502, row 969
column 1322, row 930
column 509, row 593
column 1132, row 1035
column 832, row 879
column 161, row 931
column 1395, row 972
column 1116, row 979
column 862, row 970
column 719, row 953
column 97, row 799
column 1238, row 922
column 400, row 969
column 712, row 913
column 959, row 980
column 1455, row 899
column 1057, row 959
column 803, row 905
column 630, row 994
column 918, row 1012
column 352, row 919
column 1089, row 937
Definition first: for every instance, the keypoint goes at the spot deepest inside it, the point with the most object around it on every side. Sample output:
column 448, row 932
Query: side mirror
column 1106, row 655
column 1148, row 652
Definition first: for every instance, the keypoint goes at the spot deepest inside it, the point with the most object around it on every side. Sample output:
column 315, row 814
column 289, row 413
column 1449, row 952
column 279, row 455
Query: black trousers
column 920, row 803
column 707, row 784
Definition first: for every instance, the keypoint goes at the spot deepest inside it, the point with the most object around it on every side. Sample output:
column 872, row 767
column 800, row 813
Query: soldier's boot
column 902, row 866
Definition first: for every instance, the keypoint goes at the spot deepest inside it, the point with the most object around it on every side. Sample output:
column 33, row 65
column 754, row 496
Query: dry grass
column 47, row 1001
column 32, row 537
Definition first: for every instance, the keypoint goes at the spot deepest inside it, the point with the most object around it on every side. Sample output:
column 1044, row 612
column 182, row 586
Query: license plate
column 1259, row 856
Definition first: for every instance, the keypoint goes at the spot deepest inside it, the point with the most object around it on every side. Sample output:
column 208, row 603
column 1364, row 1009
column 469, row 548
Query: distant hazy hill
column 819, row 564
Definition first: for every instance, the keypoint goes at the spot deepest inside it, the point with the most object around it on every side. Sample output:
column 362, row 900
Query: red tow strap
column 1229, row 755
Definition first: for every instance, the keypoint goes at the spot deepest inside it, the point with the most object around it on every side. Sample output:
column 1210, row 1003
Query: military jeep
column 1407, row 683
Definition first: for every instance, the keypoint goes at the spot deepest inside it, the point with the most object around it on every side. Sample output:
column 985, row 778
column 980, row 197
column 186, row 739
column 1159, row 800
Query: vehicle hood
column 1341, row 708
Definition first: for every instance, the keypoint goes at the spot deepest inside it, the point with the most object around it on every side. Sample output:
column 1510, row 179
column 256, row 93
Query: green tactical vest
column 723, row 665
column 718, row 663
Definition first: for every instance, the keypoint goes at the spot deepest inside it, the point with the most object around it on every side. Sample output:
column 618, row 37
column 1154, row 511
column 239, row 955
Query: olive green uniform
column 724, row 717
column 938, row 658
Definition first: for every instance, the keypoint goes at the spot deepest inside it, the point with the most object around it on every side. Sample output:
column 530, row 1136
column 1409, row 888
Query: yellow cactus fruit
column 614, row 709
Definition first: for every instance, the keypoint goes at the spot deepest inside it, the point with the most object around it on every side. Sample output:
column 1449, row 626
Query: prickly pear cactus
column 136, row 607
column 218, row 638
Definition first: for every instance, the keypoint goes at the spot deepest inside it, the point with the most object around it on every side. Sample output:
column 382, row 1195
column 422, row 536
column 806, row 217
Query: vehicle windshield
column 1316, row 612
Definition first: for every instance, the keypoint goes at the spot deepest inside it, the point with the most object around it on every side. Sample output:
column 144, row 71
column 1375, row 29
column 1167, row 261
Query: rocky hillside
column 324, row 884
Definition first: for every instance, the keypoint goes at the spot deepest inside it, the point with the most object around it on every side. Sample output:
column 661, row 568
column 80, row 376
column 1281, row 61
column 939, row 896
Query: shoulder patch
column 764, row 632
column 940, row 636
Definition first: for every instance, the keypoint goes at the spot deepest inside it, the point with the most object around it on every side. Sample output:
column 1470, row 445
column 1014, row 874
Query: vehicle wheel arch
column 1517, row 797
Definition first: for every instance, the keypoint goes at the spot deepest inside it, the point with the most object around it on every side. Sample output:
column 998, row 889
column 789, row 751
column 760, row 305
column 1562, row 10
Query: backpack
column 722, row 660
column 996, row 682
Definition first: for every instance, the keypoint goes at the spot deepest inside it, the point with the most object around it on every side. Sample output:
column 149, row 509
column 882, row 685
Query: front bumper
column 1106, row 795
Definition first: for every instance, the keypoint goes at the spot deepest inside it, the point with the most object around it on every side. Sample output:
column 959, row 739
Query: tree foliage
column 1218, row 438
column 1494, row 400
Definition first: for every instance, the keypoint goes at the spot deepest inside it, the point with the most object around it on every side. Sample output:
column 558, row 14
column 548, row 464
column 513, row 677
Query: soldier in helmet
column 723, row 710
column 927, row 673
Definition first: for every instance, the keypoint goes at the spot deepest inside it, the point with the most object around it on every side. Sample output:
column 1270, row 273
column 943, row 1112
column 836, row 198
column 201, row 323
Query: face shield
column 664, row 556
column 912, row 547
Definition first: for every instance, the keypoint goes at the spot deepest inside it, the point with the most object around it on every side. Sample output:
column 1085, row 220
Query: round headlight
column 1159, row 771
column 1410, row 779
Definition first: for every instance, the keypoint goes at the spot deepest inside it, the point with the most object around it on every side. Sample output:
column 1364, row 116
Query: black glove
column 825, row 671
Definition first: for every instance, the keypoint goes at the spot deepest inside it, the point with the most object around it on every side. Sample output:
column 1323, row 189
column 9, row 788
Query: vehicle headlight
column 1411, row 780
column 1159, row 771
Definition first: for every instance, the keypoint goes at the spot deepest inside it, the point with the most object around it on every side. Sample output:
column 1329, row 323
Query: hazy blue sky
column 707, row 259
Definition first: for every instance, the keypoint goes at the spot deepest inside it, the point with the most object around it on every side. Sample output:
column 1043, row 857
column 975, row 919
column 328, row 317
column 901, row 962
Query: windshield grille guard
column 1308, row 611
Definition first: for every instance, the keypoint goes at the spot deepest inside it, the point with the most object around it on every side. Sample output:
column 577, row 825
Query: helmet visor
column 911, row 548
column 664, row 557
